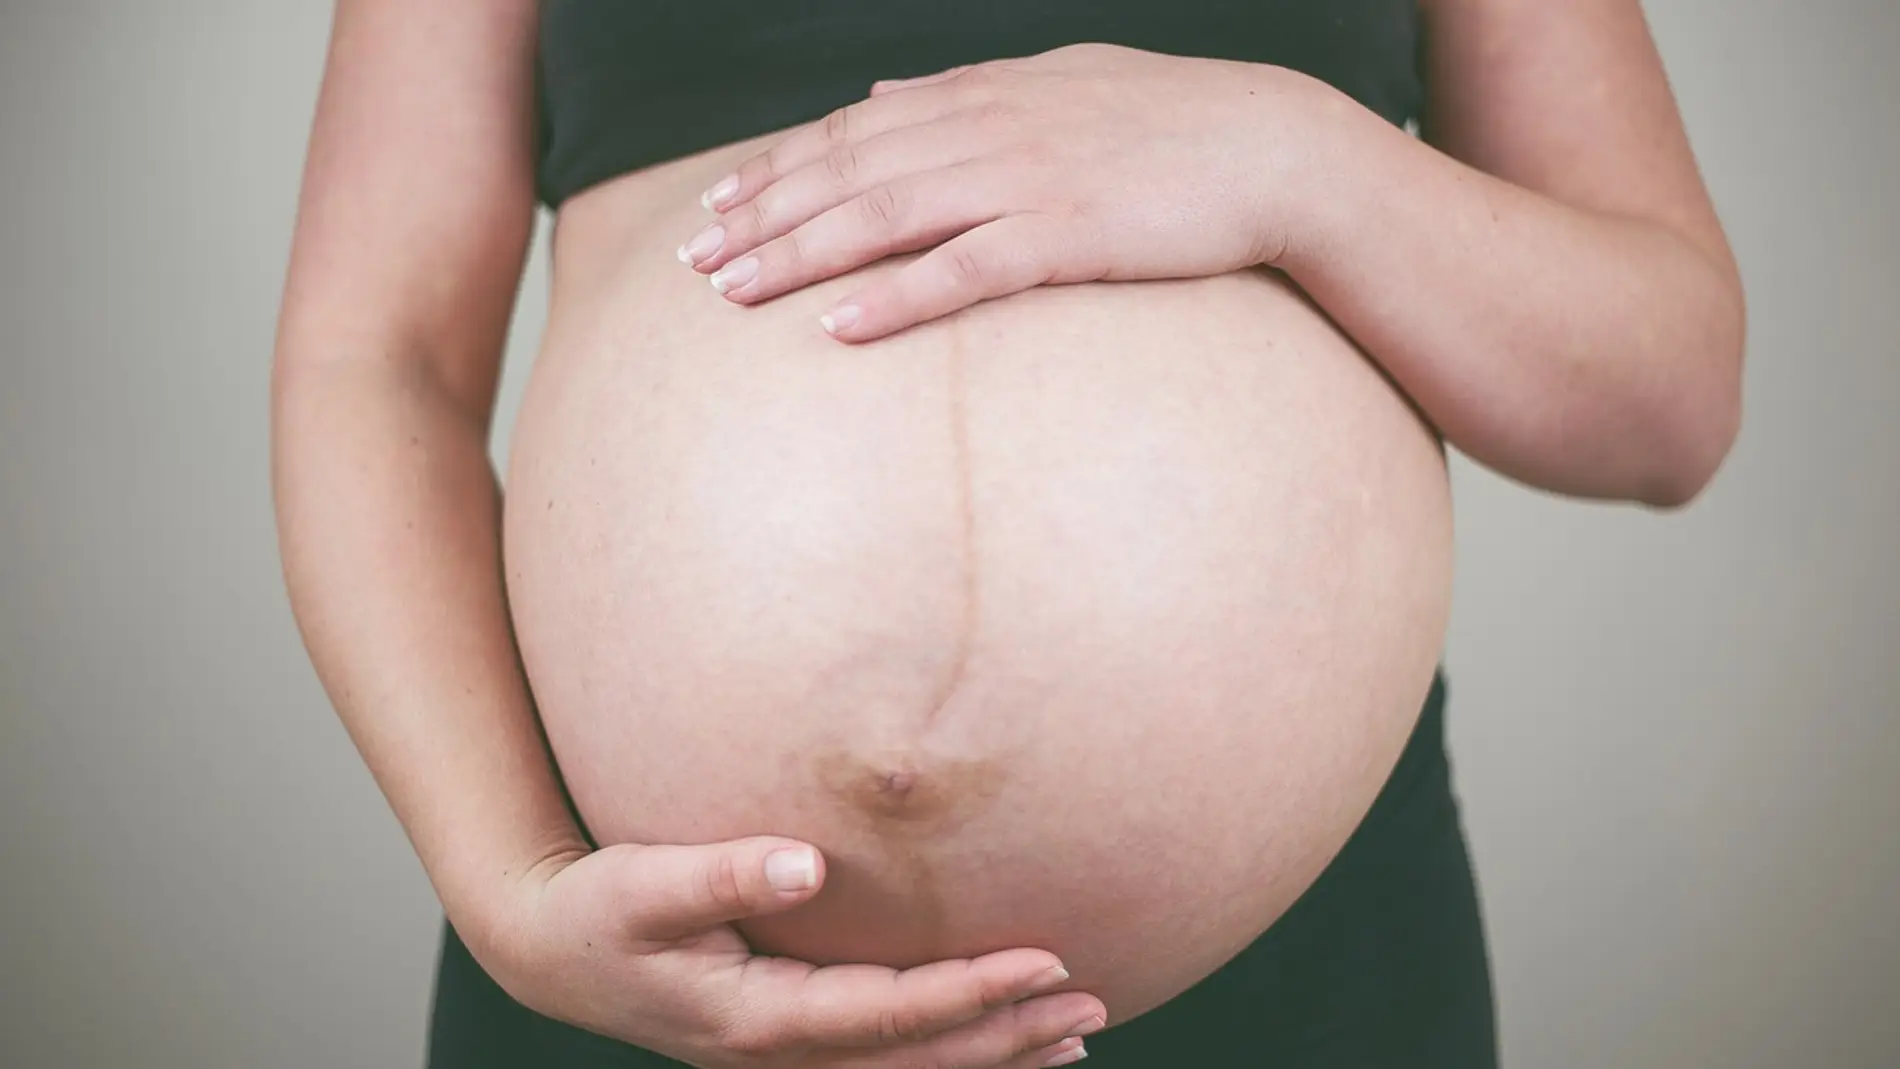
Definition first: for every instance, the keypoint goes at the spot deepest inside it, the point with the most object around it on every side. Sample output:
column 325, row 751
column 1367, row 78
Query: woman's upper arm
column 1567, row 98
column 418, row 191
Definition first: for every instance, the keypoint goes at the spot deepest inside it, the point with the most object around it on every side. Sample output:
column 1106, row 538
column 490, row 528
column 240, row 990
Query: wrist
column 486, row 894
column 1327, row 177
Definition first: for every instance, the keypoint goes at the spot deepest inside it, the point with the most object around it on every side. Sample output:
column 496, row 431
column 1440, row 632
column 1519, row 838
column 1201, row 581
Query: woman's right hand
column 637, row 943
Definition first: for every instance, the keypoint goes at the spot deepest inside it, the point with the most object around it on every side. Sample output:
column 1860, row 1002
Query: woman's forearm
column 389, row 514
column 1579, row 352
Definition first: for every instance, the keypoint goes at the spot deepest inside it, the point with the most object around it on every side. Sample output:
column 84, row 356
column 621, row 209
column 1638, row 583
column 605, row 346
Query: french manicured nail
column 735, row 274
column 1046, row 979
column 1089, row 1027
column 794, row 869
column 1067, row 1057
column 702, row 245
column 721, row 192
column 836, row 320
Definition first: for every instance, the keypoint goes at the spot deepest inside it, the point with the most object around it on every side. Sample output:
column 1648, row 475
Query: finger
column 902, row 216
column 886, row 85
column 784, row 1003
column 1024, row 1034
column 674, row 891
column 1067, row 1052
column 848, row 125
column 846, row 172
column 995, row 259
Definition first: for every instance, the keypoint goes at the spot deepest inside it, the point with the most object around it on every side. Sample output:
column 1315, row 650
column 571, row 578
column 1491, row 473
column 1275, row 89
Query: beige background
column 1678, row 737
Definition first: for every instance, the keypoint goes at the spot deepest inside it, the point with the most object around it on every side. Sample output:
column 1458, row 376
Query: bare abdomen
column 1089, row 619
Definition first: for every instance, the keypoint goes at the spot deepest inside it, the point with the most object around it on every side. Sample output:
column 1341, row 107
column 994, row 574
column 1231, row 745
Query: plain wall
column 1677, row 736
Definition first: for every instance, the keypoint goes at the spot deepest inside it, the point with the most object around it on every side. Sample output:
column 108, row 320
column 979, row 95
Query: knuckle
column 1084, row 49
column 896, row 1026
column 721, row 883
column 987, row 992
column 964, row 268
column 788, row 252
column 886, row 1027
column 841, row 166
column 836, row 125
column 978, row 89
column 980, row 74
column 773, row 165
column 752, row 220
column 755, row 171
column 883, row 207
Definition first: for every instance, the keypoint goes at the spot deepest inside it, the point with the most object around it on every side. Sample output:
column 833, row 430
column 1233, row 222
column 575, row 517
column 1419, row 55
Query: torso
column 1090, row 619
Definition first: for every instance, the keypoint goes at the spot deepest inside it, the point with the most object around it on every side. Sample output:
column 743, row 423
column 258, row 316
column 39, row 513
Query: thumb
column 678, row 890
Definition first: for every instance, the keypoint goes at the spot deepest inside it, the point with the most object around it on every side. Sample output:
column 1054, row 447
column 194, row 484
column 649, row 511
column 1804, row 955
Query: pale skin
column 1543, row 275
column 1569, row 315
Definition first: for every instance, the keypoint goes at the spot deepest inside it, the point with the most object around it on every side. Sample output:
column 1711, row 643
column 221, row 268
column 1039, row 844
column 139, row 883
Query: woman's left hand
column 1088, row 162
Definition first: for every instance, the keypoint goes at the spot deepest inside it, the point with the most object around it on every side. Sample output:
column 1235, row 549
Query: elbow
column 1696, row 447
column 1696, row 428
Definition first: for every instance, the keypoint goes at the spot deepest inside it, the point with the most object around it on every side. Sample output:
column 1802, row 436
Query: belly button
column 900, row 794
column 890, row 788
column 898, row 791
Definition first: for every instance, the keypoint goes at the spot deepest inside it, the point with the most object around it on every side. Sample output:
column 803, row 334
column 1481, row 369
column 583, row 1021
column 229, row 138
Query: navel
column 909, row 793
column 896, row 791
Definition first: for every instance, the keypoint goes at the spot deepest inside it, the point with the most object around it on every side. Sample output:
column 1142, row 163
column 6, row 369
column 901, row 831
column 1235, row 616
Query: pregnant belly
column 1089, row 619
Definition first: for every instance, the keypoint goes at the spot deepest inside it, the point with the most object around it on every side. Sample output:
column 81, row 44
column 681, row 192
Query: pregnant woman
column 1003, row 606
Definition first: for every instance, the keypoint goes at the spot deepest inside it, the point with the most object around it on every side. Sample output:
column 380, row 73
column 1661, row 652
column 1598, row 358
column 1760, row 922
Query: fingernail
column 1067, row 1057
column 735, row 274
column 721, row 192
column 793, row 869
column 1048, row 978
column 1089, row 1027
column 839, row 318
column 703, row 244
